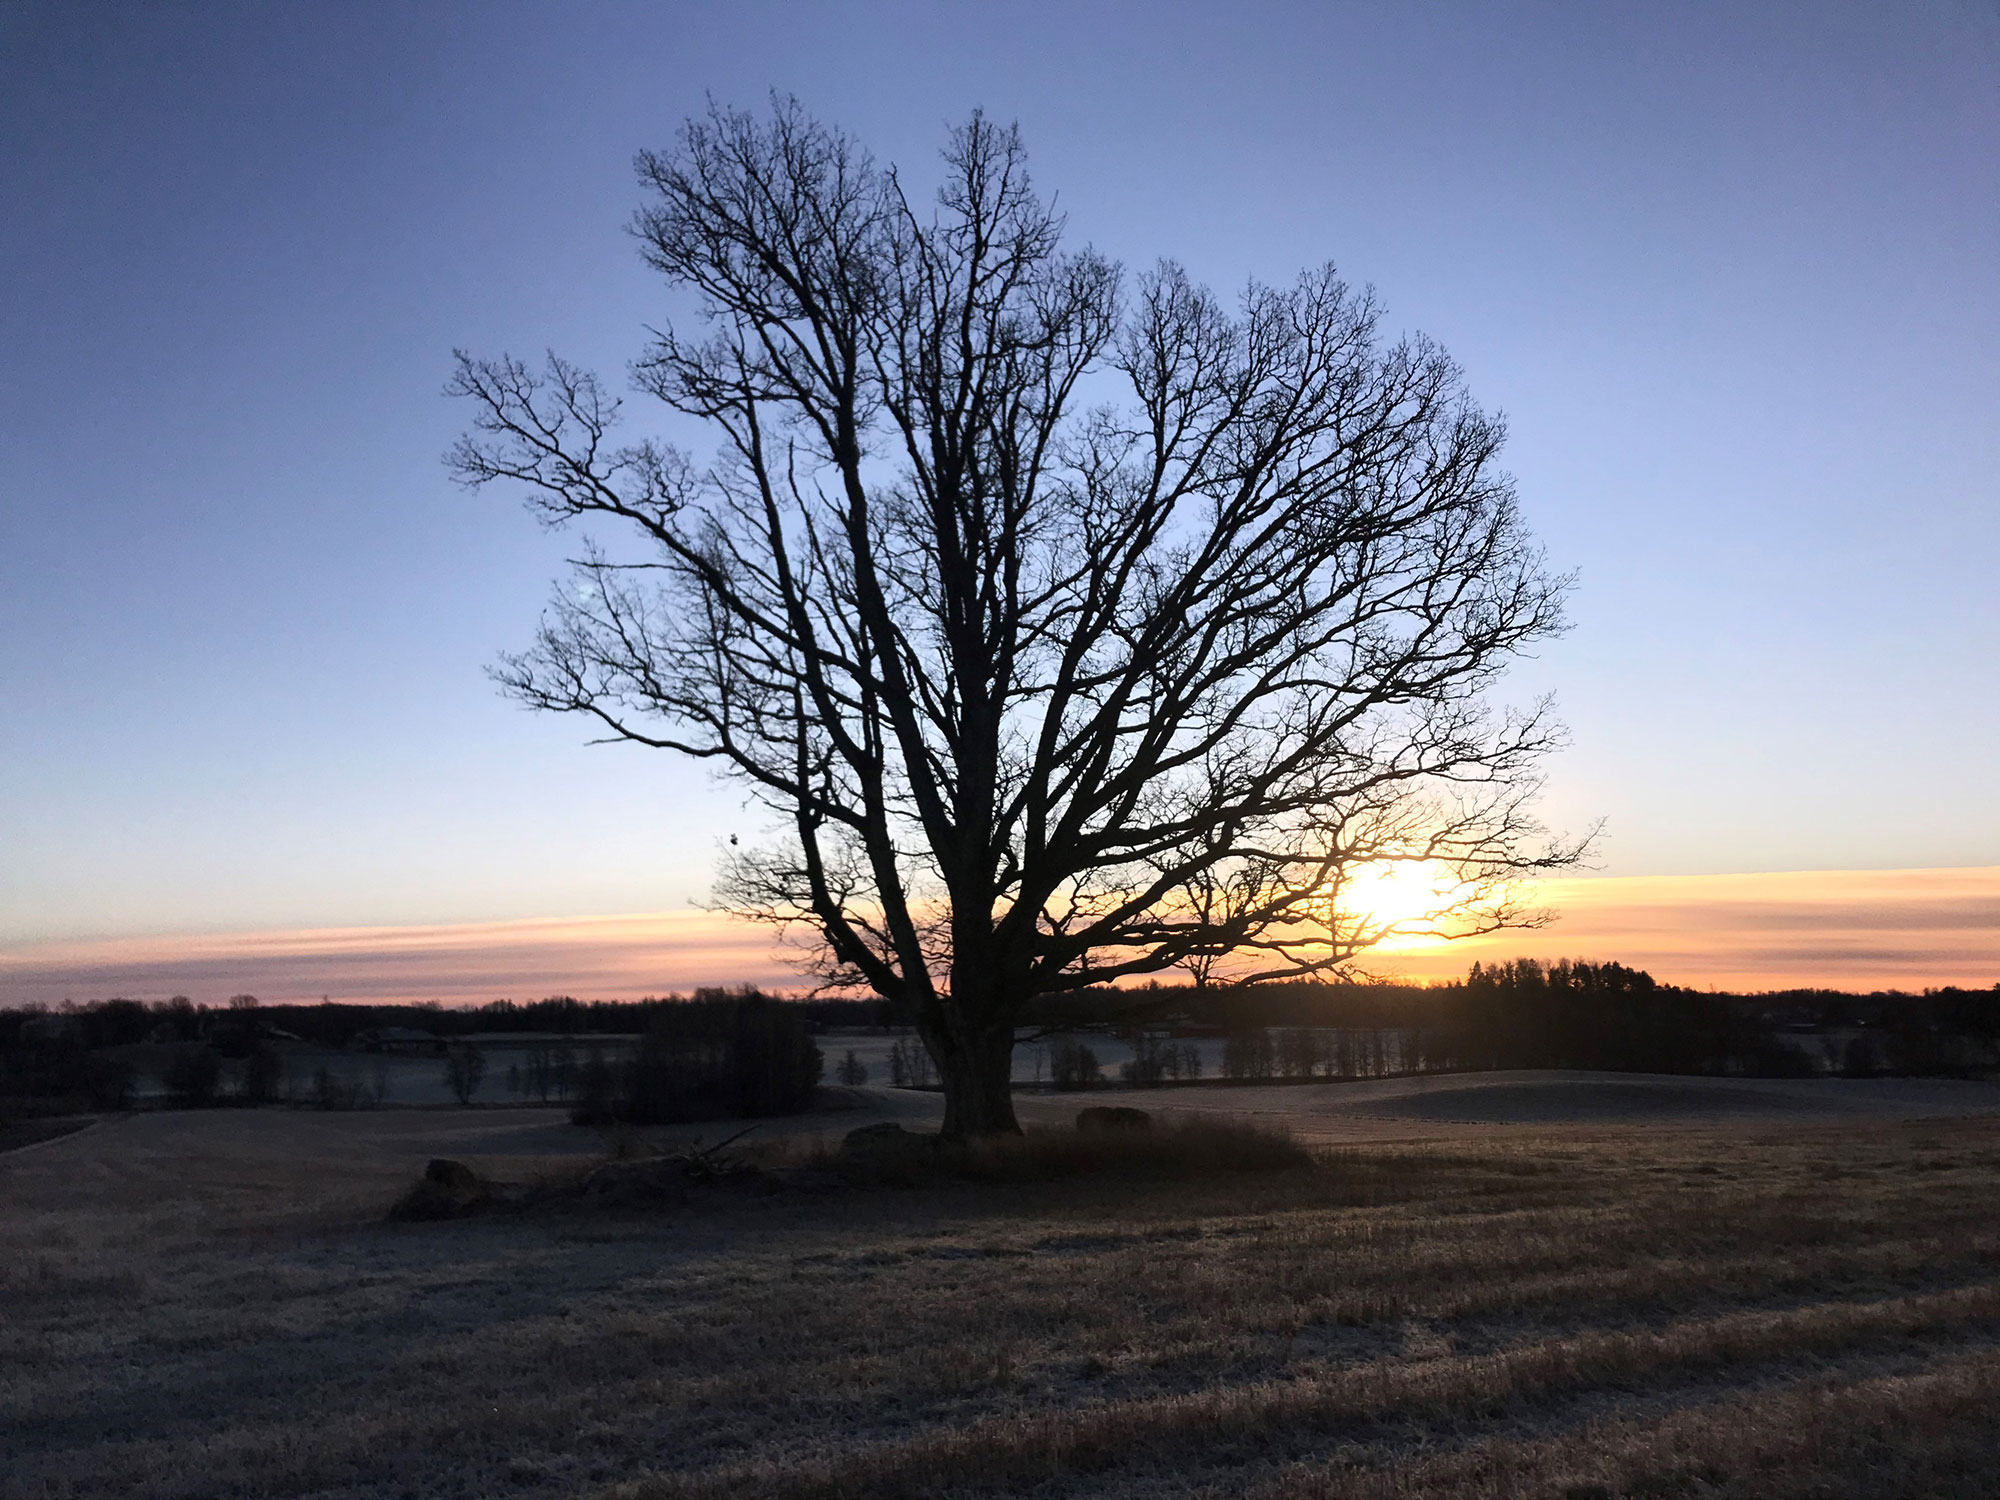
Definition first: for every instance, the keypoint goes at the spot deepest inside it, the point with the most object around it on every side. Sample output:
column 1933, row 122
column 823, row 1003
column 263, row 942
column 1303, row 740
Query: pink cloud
column 591, row 957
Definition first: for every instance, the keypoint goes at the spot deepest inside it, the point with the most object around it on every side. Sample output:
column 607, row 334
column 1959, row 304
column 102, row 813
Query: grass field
column 205, row 1305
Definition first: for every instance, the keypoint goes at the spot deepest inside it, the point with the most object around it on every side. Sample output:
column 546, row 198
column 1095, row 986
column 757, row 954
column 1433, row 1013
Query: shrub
column 853, row 1071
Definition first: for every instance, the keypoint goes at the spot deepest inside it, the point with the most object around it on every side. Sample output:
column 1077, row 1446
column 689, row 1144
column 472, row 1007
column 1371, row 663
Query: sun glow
column 1402, row 901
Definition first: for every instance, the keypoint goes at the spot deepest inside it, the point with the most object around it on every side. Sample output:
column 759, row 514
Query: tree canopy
column 1073, row 625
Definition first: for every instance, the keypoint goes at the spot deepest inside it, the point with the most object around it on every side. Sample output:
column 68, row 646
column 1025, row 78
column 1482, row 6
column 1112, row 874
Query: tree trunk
column 976, row 1068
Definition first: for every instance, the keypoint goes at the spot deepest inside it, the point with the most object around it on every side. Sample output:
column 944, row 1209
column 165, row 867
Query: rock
column 1113, row 1117
column 447, row 1190
column 885, row 1139
column 452, row 1176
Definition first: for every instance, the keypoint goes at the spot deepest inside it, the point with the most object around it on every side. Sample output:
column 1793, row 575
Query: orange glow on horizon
column 1832, row 929
column 1845, row 929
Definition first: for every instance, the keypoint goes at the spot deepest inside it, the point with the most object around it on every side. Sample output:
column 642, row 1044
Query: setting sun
column 1403, row 901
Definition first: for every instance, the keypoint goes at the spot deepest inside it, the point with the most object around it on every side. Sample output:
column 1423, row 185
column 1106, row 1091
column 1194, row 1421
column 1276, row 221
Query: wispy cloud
column 1853, row 929
column 592, row 957
column 1848, row 929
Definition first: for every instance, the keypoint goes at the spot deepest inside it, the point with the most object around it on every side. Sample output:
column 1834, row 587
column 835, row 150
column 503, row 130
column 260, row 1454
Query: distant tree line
column 92, row 1057
column 1525, row 1014
column 741, row 1052
column 1530, row 1014
column 118, row 1022
column 743, row 1055
column 44, row 1073
column 570, row 1017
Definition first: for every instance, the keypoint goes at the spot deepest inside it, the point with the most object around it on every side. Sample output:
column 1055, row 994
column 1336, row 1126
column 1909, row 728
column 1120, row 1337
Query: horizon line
column 1744, row 932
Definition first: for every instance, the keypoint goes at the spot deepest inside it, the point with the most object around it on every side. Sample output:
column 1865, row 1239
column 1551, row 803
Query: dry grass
column 1173, row 1148
column 1565, row 1313
column 16, row 1135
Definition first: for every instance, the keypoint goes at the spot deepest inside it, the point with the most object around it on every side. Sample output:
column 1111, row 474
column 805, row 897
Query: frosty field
column 1556, row 1285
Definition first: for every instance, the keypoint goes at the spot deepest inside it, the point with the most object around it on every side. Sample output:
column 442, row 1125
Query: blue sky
column 1732, row 272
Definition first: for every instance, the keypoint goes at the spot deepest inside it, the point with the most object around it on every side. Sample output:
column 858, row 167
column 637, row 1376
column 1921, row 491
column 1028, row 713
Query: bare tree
column 1072, row 632
column 464, row 1070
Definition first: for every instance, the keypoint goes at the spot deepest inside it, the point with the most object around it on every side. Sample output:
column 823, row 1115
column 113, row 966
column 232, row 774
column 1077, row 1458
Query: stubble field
column 1723, row 1305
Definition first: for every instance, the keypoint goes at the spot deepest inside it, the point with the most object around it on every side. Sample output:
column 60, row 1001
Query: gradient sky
column 1733, row 273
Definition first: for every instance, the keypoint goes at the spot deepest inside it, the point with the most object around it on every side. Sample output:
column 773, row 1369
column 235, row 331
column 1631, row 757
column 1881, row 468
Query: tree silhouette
column 1072, row 631
column 464, row 1070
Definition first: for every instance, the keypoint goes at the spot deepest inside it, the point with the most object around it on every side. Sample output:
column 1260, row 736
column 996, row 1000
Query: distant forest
column 1569, row 1014
column 1521, row 1014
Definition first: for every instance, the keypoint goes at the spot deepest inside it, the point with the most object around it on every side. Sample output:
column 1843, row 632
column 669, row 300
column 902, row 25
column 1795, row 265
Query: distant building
column 237, row 1035
column 411, row 1041
column 45, row 1030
